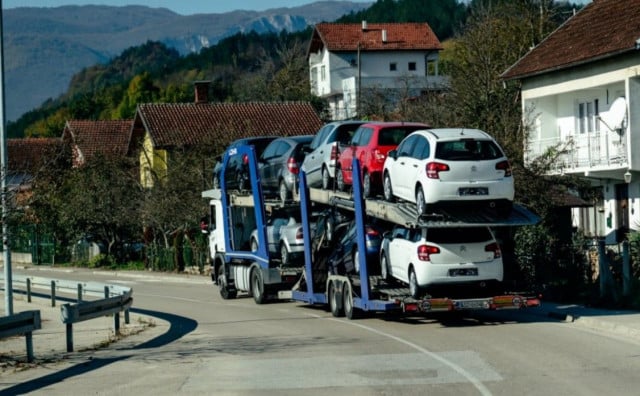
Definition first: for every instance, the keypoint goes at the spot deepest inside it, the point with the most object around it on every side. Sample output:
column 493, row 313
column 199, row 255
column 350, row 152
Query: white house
column 346, row 60
column 581, row 92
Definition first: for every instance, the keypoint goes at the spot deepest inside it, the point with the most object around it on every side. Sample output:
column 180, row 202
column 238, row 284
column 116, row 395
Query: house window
column 588, row 113
column 412, row 66
column 323, row 73
column 432, row 67
column 393, row 66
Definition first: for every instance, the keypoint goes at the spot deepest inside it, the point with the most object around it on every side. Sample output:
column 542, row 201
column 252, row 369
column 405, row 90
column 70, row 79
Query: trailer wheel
column 347, row 301
column 225, row 291
column 335, row 300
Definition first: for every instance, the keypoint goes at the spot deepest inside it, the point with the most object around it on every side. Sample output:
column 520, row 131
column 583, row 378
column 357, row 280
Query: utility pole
column 8, row 281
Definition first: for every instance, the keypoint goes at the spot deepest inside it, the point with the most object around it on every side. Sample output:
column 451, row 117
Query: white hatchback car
column 441, row 257
column 450, row 165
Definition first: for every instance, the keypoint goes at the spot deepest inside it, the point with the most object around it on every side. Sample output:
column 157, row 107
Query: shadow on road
column 179, row 327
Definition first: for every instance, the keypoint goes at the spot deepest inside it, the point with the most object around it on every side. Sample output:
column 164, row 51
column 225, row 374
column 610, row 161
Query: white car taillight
column 425, row 252
column 493, row 247
column 505, row 166
column 334, row 151
column 434, row 168
column 299, row 233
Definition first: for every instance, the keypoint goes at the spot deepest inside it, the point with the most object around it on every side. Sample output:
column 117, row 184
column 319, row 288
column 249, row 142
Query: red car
column 370, row 144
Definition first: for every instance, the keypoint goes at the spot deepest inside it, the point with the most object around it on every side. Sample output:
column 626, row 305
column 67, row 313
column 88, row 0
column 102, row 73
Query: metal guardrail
column 22, row 323
column 115, row 300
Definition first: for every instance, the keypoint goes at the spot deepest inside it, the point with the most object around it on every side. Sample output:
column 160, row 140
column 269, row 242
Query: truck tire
column 335, row 300
column 257, row 286
column 226, row 292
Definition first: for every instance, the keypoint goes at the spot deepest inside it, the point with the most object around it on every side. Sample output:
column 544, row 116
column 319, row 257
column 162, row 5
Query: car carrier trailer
column 236, row 268
column 351, row 295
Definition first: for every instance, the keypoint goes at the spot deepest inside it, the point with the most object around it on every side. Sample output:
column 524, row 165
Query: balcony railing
column 583, row 151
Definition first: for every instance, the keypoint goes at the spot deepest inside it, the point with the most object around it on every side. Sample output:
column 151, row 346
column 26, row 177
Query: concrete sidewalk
column 50, row 342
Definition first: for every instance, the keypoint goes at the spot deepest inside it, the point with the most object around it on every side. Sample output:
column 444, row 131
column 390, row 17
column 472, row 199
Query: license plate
column 472, row 304
column 464, row 191
column 463, row 272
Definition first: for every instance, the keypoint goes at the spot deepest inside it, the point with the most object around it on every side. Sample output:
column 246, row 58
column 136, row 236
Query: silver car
column 322, row 154
column 284, row 237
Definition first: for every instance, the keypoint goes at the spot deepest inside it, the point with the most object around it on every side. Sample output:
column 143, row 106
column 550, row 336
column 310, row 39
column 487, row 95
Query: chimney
column 364, row 25
column 202, row 91
column 384, row 35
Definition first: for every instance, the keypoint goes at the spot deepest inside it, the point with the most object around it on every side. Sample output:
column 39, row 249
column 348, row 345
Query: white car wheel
column 388, row 192
column 339, row 180
column 421, row 205
column 384, row 266
column 414, row 289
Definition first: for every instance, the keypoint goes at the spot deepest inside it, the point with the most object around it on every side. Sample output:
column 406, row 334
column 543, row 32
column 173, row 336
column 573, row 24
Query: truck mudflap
column 486, row 303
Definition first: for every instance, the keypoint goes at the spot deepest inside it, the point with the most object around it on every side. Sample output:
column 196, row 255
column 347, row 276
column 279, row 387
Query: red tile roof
column 338, row 37
column 602, row 29
column 186, row 124
column 30, row 154
column 108, row 137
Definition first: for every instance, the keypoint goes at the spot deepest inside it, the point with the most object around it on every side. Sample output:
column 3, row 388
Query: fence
column 30, row 239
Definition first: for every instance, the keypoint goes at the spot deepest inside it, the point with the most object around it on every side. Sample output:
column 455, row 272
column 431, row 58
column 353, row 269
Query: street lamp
column 627, row 177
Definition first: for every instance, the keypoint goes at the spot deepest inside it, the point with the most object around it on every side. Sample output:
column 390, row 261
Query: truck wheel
column 414, row 289
column 335, row 300
column 257, row 286
column 225, row 291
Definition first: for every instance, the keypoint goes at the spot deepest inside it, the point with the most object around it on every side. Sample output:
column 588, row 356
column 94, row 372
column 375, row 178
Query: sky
column 184, row 7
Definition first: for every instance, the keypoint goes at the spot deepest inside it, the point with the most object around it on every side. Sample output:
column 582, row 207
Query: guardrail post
column 53, row 293
column 28, row 290
column 116, row 322
column 69, row 337
column 106, row 292
column 29, row 339
column 79, row 292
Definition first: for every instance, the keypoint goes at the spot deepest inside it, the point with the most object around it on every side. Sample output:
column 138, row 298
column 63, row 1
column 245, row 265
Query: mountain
column 45, row 47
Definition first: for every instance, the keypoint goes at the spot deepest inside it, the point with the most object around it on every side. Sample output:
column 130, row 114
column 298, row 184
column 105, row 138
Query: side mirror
column 393, row 154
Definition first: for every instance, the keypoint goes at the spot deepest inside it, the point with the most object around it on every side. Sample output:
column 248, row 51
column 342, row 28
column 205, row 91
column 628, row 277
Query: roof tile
column 108, row 137
column 185, row 124
column 602, row 29
column 347, row 37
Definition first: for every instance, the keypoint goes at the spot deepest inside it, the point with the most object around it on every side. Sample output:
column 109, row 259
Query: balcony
column 600, row 150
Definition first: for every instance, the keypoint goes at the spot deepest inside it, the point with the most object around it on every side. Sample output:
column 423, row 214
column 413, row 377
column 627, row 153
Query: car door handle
column 401, row 162
column 415, row 165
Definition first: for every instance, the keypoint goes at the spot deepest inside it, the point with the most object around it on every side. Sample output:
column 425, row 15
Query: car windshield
column 468, row 150
column 459, row 235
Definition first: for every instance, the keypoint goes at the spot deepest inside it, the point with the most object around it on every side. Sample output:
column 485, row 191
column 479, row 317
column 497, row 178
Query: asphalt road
column 205, row 345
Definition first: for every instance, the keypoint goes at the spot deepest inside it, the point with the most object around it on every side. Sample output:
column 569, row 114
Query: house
column 26, row 157
column 581, row 96
column 88, row 138
column 159, row 128
column 347, row 60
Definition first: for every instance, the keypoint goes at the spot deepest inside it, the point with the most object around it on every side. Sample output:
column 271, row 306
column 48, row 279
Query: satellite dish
column 616, row 118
